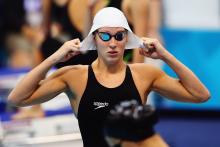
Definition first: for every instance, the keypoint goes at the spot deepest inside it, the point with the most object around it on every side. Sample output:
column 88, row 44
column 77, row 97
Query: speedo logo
column 99, row 105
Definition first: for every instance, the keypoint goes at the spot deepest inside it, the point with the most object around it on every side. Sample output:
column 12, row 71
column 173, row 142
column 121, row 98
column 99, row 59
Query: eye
column 104, row 36
column 119, row 36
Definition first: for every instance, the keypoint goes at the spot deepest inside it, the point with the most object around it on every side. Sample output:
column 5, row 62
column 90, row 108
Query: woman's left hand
column 152, row 48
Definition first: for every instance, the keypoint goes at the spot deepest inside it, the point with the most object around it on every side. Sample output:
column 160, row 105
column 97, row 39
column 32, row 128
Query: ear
column 94, row 36
column 126, row 38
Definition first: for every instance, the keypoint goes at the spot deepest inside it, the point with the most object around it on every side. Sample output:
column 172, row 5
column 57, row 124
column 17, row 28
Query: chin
column 112, row 61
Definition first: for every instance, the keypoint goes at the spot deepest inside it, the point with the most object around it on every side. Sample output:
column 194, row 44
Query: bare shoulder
column 144, row 76
column 64, row 72
column 76, row 78
column 75, row 71
column 145, row 70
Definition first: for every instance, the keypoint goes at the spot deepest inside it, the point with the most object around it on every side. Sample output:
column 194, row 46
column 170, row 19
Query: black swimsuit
column 95, row 104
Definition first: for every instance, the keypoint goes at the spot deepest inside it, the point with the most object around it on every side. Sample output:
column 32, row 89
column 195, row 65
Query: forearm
column 140, row 23
column 187, row 78
column 88, row 21
column 30, row 82
column 154, row 16
column 46, row 7
column 31, row 87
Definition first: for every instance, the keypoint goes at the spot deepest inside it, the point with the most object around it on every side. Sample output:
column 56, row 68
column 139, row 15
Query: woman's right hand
column 68, row 50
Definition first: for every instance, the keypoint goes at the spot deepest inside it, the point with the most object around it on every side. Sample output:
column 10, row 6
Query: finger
column 74, row 53
column 147, row 53
column 74, row 47
column 141, row 51
column 148, row 45
column 75, row 42
column 151, row 48
column 70, row 55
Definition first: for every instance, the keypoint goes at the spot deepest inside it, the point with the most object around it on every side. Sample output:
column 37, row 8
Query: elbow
column 206, row 97
column 12, row 100
column 203, row 97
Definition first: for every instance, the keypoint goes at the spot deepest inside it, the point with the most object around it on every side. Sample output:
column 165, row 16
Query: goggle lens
column 105, row 36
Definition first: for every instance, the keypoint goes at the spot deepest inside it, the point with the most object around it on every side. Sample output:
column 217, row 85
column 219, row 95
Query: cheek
column 122, row 44
column 99, row 44
column 101, row 47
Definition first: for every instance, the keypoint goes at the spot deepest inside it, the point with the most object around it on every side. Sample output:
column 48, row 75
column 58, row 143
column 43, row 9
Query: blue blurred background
column 200, row 51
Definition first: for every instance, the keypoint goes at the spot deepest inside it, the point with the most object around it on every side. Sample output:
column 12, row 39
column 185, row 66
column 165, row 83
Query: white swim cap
column 110, row 17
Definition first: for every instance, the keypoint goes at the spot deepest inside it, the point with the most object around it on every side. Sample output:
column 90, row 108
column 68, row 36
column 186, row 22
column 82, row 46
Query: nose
column 112, row 43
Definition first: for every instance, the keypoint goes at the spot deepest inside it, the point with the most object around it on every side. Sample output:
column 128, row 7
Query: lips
column 112, row 52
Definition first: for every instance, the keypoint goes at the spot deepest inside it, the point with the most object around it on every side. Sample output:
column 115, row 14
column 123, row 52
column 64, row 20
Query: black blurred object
column 13, row 15
column 130, row 121
column 51, row 45
column 12, row 18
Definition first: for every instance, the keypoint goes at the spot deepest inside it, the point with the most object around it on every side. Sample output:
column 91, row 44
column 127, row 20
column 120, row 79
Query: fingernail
column 142, row 46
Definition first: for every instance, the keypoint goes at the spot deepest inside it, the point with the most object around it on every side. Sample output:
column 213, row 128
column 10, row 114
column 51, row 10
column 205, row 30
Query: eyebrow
column 110, row 31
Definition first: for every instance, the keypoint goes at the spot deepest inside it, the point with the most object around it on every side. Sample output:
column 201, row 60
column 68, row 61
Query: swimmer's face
column 110, row 43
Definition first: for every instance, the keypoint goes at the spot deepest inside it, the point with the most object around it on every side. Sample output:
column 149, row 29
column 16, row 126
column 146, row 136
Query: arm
column 34, row 88
column 88, row 17
column 137, row 13
column 92, row 8
column 145, row 17
column 154, row 21
column 81, row 13
column 187, row 88
column 46, row 10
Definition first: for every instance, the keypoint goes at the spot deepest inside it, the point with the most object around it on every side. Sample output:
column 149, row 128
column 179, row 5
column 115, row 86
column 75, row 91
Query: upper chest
column 109, row 83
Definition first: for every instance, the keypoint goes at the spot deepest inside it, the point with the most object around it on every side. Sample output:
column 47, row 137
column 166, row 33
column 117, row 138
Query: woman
column 93, row 90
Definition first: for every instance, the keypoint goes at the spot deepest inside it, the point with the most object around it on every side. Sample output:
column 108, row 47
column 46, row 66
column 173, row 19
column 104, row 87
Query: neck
column 111, row 68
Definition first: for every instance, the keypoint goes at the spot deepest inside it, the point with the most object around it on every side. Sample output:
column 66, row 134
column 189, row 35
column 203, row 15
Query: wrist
column 51, row 61
column 166, row 56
